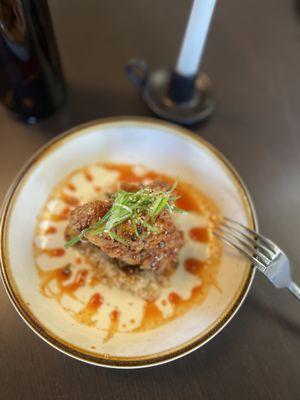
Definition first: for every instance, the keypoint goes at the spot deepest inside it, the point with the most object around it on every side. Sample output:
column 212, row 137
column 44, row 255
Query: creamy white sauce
column 55, row 206
column 53, row 240
column 85, row 189
column 47, row 263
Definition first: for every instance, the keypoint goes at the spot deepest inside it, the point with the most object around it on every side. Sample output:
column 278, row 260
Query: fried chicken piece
column 151, row 251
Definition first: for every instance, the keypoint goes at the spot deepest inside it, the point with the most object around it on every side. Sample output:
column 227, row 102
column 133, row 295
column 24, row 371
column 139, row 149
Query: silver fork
column 264, row 254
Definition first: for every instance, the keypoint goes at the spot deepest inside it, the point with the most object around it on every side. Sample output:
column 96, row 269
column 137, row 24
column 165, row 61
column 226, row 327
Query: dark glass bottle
column 31, row 79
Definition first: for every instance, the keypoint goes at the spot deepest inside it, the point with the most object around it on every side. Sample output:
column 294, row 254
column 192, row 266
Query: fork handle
column 294, row 289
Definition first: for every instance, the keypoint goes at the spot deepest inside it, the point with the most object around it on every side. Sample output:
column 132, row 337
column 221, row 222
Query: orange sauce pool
column 199, row 234
column 114, row 325
column 194, row 266
column 50, row 230
column 191, row 200
column 85, row 315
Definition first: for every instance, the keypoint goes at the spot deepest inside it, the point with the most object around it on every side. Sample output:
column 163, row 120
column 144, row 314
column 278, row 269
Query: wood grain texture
column 253, row 59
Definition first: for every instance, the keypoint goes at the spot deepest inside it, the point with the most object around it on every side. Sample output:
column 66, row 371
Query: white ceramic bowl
column 159, row 146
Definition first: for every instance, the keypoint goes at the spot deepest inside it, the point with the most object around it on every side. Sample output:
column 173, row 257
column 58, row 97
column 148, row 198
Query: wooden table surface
column 253, row 59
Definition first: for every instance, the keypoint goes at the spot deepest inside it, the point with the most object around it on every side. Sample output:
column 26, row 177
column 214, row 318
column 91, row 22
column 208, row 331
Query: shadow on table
column 297, row 7
column 270, row 314
column 85, row 104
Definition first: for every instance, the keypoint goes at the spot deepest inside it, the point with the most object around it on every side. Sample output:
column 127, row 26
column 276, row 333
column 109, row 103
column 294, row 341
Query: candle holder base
column 155, row 92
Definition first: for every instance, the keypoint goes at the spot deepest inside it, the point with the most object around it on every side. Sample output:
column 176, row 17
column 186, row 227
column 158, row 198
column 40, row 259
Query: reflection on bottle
column 31, row 79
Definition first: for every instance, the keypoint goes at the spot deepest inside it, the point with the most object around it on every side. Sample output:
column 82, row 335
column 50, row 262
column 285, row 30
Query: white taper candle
column 193, row 43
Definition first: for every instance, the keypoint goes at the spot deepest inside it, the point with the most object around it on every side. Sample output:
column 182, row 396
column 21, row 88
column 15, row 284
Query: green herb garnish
column 133, row 207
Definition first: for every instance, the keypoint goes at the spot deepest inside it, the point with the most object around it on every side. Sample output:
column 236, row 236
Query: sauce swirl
column 66, row 280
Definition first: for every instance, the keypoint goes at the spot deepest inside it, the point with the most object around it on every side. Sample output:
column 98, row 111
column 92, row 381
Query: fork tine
column 227, row 233
column 269, row 252
column 254, row 261
column 267, row 241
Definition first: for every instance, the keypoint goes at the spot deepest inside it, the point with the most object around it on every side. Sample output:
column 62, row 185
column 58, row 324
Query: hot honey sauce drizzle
column 187, row 201
column 194, row 266
column 152, row 317
column 50, row 231
column 114, row 325
column 85, row 315
column 59, row 276
column 70, row 200
column 174, row 298
column 66, row 280
column 71, row 186
column 199, row 234
column 88, row 176
column 94, row 281
column 80, row 279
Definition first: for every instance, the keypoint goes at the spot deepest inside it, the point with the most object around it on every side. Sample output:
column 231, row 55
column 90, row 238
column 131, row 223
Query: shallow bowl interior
column 159, row 146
